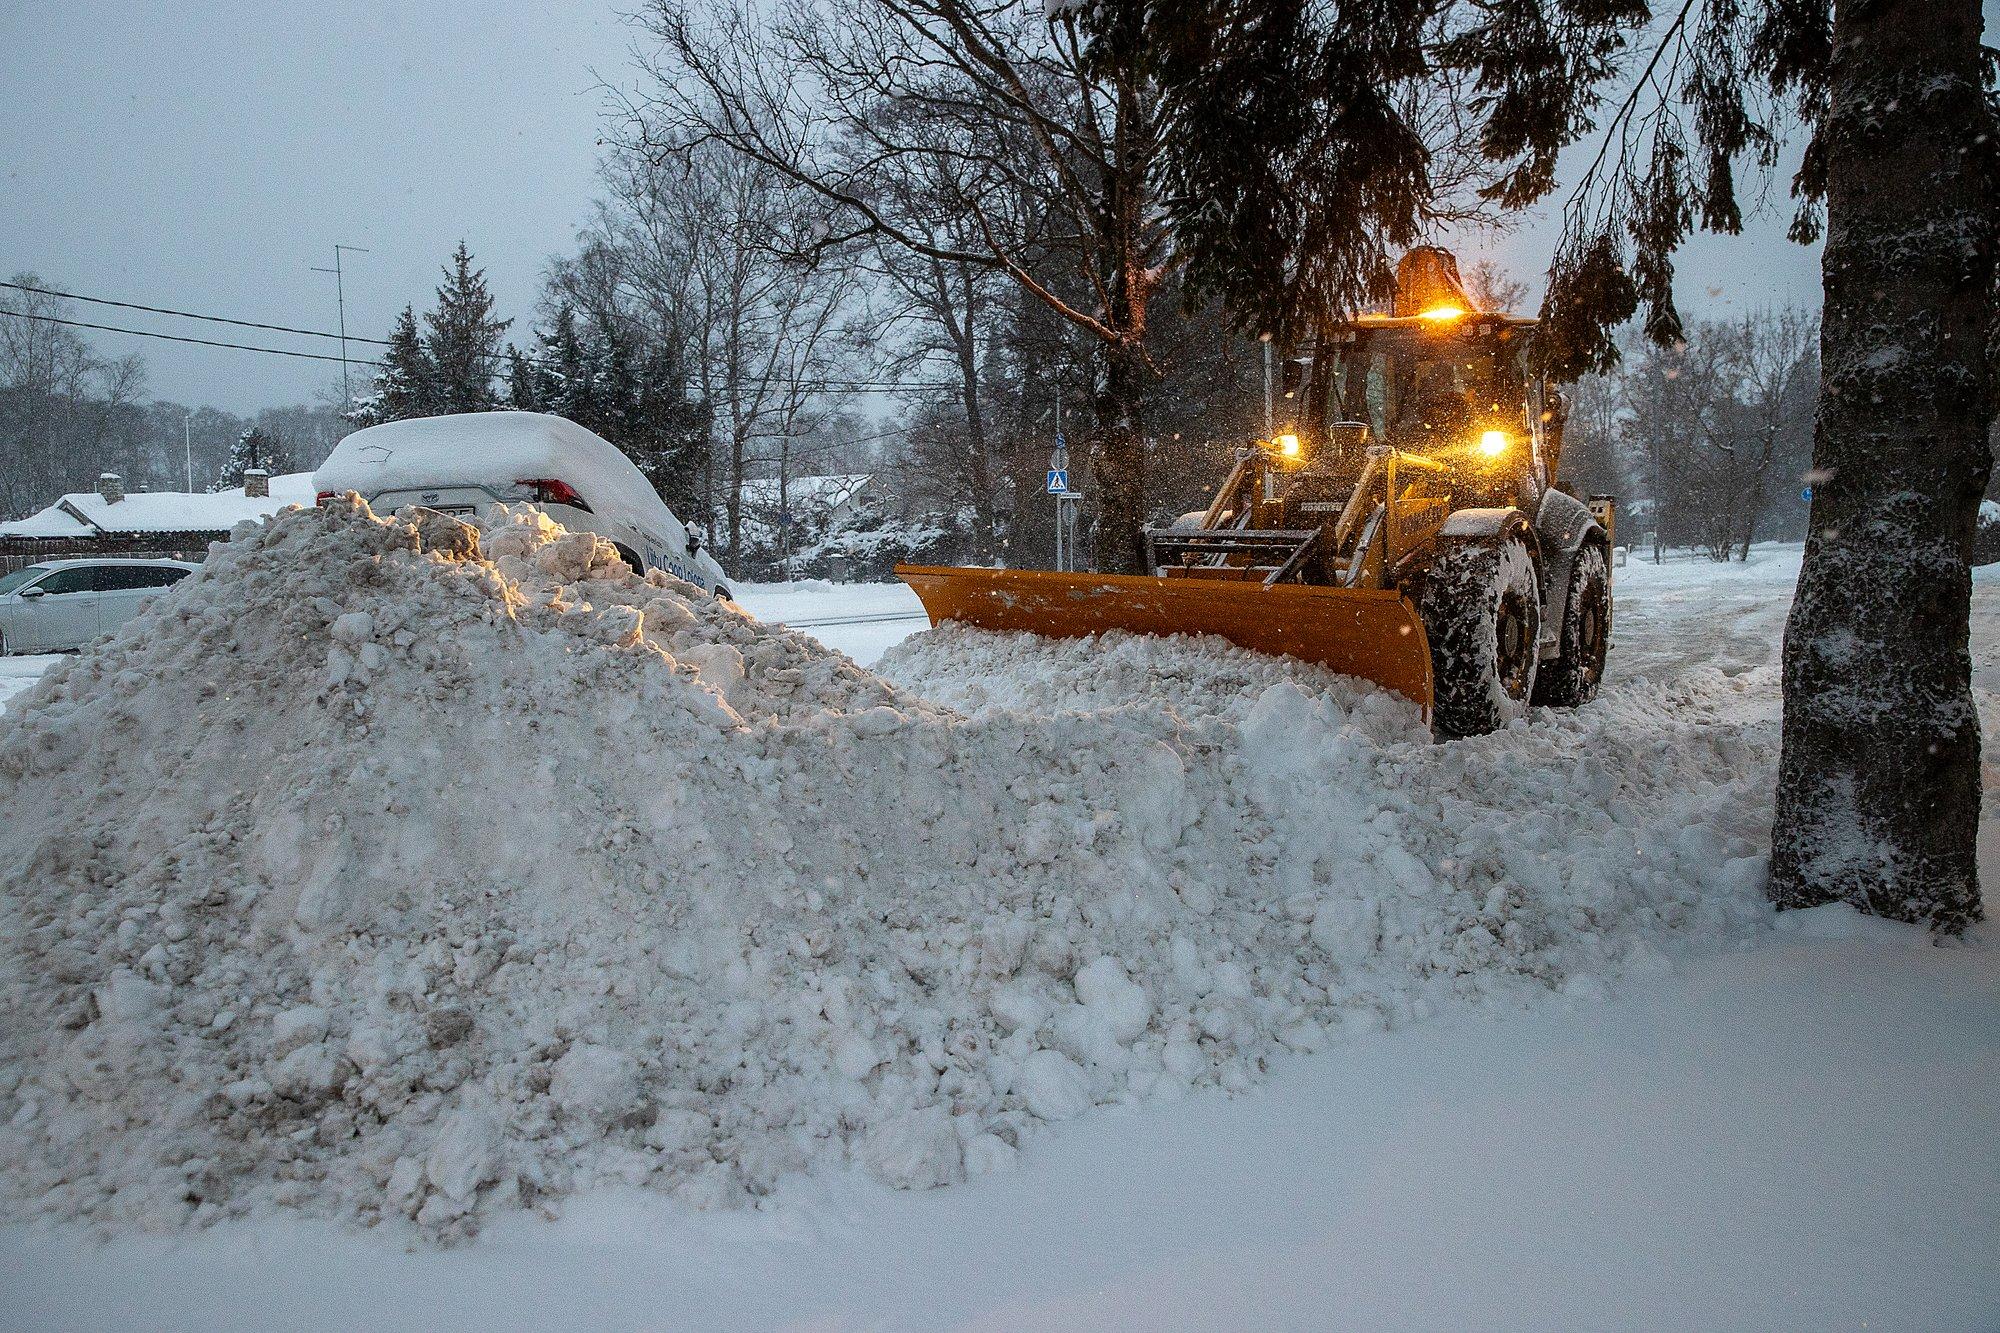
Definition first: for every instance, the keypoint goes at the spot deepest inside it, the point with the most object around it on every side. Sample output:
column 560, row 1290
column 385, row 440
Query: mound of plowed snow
column 393, row 868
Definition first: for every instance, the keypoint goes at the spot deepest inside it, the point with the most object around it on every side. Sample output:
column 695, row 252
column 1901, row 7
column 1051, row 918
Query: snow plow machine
column 1414, row 537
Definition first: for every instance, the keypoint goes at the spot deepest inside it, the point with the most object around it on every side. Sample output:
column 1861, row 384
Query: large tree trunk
column 1878, row 785
column 978, row 471
column 1118, row 463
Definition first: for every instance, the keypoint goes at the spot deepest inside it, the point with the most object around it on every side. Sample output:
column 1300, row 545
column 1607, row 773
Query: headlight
column 1493, row 443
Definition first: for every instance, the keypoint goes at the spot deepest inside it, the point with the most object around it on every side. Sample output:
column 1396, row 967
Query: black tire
column 1573, row 676
column 1483, row 615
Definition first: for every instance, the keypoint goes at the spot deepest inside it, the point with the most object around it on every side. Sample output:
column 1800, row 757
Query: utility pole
column 340, row 301
column 187, row 443
column 1265, row 338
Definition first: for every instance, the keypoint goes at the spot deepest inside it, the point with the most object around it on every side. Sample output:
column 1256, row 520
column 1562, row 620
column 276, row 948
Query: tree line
column 68, row 414
column 1708, row 439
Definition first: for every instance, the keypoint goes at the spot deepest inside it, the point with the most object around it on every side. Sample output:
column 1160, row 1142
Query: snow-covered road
column 863, row 620
column 1678, row 1157
column 1802, row 1134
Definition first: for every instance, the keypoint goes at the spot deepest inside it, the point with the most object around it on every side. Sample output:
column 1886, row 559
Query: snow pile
column 392, row 868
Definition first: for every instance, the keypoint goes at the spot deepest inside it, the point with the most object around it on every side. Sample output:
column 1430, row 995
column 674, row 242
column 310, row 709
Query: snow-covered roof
column 833, row 490
column 87, row 514
column 55, row 521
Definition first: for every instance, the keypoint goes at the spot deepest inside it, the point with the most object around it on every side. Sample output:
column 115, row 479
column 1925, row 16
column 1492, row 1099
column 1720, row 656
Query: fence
column 20, row 552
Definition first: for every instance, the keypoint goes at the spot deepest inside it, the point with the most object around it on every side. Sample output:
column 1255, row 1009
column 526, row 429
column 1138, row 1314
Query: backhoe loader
column 1416, row 538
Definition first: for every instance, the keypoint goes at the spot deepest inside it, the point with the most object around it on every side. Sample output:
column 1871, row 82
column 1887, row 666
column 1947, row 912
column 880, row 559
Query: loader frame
column 1395, row 509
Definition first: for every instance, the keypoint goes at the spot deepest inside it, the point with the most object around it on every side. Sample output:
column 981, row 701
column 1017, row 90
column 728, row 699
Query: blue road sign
column 1058, row 480
column 1806, row 495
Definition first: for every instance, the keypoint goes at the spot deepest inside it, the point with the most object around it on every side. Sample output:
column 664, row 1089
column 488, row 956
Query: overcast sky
column 206, row 156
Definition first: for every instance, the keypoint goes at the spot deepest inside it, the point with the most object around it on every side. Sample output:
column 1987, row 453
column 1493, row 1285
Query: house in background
column 821, row 504
column 171, row 524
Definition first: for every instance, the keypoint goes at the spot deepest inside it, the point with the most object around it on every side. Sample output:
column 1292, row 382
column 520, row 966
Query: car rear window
column 115, row 578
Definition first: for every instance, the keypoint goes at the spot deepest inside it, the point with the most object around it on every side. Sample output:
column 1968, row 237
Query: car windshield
column 9, row 582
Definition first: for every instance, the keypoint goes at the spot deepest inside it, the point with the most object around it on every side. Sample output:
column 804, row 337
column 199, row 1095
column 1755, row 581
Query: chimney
column 111, row 486
column 256, row 483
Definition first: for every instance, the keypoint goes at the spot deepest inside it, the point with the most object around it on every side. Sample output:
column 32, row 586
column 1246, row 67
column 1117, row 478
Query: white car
column 63, row 604
column 461, row 464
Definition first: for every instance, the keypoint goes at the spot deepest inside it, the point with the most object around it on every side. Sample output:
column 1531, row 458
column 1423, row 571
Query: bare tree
column 59, row 400
column 700, row 245
column 1494, row 288
column 1717, row 417
column 1777, row 384
column 949, row 305
column 972, row 134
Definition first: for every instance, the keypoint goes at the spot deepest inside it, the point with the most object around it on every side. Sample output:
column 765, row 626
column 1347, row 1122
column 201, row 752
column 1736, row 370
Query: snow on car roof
column 486, row 448
column 472, row 446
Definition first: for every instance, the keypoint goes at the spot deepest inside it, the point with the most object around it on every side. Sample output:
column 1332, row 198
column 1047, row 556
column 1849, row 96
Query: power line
column 189, row 314
column 179, row 338
column 827, row 387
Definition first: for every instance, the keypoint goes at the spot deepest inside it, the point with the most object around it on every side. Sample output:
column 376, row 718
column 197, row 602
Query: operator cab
column 1441, row 379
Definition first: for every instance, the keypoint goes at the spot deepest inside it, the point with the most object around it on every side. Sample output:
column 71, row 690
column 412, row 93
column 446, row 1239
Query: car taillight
column 324, row 496
column 550, row 491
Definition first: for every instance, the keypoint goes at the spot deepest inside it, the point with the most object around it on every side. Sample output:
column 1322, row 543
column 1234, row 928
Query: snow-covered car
column 58, row 605
column 461, row 464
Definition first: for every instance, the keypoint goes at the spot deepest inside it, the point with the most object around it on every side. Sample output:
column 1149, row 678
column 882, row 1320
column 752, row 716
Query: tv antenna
column 340, row 301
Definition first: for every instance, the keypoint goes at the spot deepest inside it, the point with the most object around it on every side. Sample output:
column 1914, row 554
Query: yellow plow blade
column 1376, row 635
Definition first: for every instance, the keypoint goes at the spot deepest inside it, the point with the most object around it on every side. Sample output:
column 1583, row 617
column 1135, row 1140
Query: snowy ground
column 1801, row 1134
column 18, row 673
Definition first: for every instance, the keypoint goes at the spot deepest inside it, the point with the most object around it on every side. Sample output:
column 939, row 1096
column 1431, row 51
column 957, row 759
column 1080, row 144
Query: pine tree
column 616, row 390
column 564, row 375
column 1879, row 782
column 522, row 395
column 670, row 442
column 405, row 385
column 463, row 341
column 255, row 447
